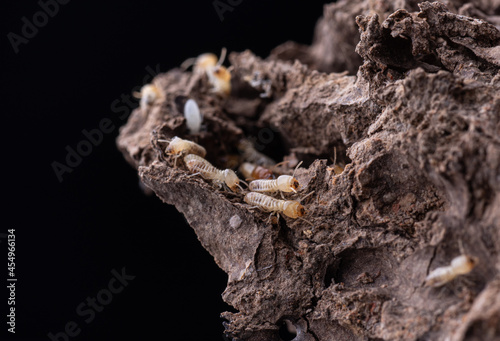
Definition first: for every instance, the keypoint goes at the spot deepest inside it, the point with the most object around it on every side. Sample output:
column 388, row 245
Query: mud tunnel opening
column 332, row 274
column 287, row 331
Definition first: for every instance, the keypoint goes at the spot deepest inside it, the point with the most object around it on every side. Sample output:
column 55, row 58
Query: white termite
column 198, row 165
column 284, row 183
column 179, row 147
column 290, row 208
column 460, row 265
column 149, row 94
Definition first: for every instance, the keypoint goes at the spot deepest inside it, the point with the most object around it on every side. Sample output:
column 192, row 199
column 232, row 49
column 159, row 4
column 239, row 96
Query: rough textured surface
column 417, row 129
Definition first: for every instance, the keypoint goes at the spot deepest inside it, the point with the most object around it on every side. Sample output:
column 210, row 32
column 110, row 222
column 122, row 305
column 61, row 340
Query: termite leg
column 223, row 187
column 307, row 221
column 282, row 196
column 176, row 156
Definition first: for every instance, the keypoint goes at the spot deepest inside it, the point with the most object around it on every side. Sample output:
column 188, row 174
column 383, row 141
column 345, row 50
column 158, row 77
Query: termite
column 250, row 154
column 198, row 165
column 204, row 61
column 149, row 94
column 220, row 79
column 460, row 265
column 337, row 169
column 284, row 183
column 218, row 75
column 252, row 171
column 193, row 116
column 179, row 147
column 290, row 208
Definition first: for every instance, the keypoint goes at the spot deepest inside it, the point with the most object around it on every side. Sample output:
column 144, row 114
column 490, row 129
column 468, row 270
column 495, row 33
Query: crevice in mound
column 287, row 330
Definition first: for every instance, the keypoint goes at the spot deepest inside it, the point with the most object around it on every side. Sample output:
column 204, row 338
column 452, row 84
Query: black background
column 71, row 234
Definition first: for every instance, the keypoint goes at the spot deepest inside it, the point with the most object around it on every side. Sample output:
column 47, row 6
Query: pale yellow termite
column 284, row 183
column 199, row 165
column 220, row 79
column 252, row 171
column 204, row 62
column 290, row 208
column 337, row 169
column 180, row 147
column 149, row 94
column 460, row 265
column 218, row 75
column 250, row 154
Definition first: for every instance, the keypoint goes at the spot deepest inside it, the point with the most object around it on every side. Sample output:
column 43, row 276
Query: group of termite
column 263, row 185
column 256, row 165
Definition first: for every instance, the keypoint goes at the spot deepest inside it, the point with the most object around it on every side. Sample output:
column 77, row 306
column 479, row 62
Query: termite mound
column 415, row 131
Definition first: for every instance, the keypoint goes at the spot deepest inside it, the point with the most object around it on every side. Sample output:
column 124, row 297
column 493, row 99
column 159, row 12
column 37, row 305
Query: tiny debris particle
column 365, row 278
column 235, row 221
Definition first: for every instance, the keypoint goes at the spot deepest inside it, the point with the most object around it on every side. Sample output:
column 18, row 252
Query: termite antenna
column 246, row 183
column 240, row 187
column 296, row 167
column 334, row 155
column 162, row 140
column 306, row 196
column 188, row 63
column 461, row 247
column 222, row 56
column 272, row 169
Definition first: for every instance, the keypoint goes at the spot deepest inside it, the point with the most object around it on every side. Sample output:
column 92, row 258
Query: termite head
column 149, row 94
column 175, row 146
column 287, row 183
column 464, row 264
column 293, row 209
column 231, row 179
column 205, row 61
column 220, row 78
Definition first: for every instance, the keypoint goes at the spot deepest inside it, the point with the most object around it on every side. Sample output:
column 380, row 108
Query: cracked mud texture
column 413, row 114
